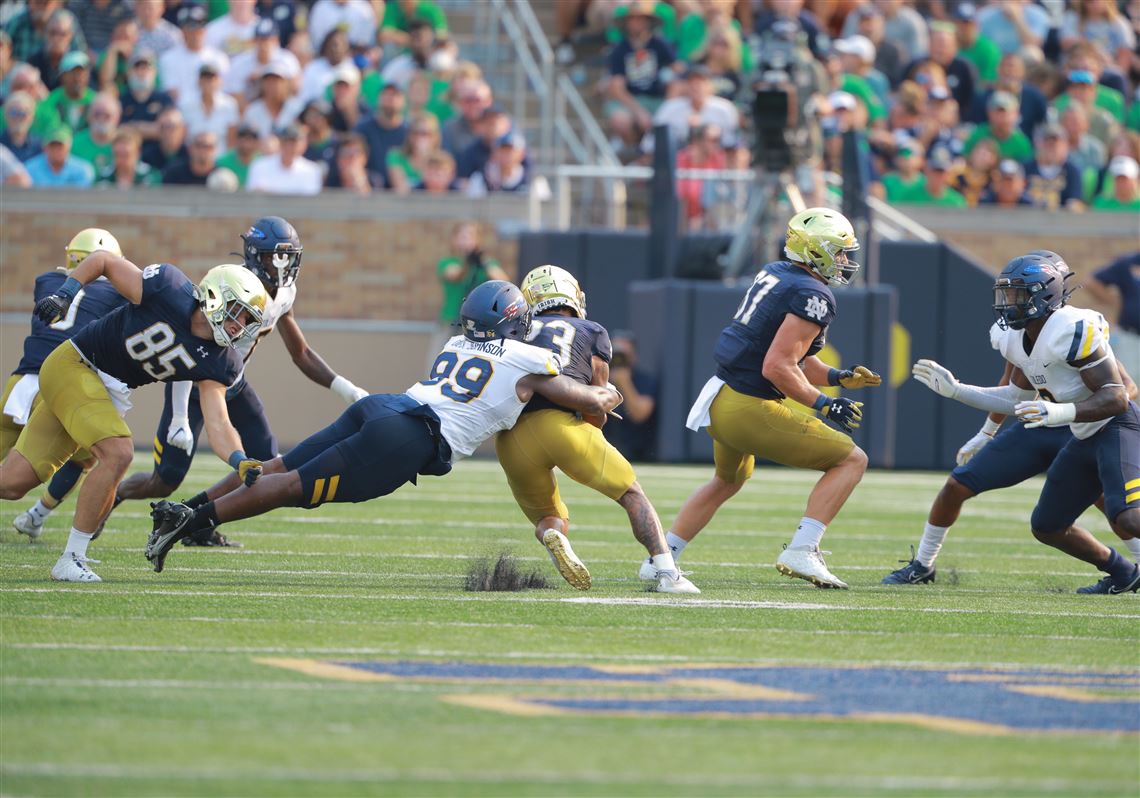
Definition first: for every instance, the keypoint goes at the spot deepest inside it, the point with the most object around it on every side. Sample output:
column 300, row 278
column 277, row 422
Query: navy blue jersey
column 151, row 341
column 94, row 302
column 779, row 289
column 576, row 341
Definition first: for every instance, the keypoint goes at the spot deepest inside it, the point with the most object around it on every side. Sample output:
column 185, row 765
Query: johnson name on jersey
column 779, row 288
column 1070, row 335
column 93, row 302
column 576, row 342
column 472, row 388
column 151, row 341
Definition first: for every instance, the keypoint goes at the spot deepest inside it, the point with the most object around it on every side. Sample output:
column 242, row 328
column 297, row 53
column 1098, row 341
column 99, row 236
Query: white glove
column 1040, row 413
column 346, row 390
column 936, row 377
column 179, row 435
column 978, row 442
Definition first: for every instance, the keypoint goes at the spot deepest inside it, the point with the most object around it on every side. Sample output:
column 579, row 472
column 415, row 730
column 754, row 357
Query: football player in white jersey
column 479, row 385
column 272, row 250
column 1061, row 355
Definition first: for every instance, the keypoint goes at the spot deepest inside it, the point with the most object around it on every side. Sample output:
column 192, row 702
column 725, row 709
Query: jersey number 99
column 156, row 349
column 462, row 383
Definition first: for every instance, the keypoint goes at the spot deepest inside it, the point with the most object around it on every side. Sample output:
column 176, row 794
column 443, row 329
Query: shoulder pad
column 533, row 359
column 996, row 336
column 1085, row 335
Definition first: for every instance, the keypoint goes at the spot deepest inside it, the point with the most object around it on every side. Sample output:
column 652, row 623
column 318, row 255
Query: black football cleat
column 170, row 521
column 913, row 573
column 1109, row 587
column 210, row 536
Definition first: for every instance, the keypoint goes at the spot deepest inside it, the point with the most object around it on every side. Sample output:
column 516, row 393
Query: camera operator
column 635, row 434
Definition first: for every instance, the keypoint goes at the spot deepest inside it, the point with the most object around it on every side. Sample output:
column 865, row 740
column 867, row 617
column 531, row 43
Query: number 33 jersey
column 471, row 387
column 151, row 341
column 1069, row 335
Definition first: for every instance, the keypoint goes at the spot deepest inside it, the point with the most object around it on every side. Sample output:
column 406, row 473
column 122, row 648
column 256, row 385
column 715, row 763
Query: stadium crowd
column 274, row 96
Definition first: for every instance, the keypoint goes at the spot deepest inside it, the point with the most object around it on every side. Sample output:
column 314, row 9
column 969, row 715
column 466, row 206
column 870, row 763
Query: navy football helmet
column 495, row 309
column 1030, row 287
column 272, row 251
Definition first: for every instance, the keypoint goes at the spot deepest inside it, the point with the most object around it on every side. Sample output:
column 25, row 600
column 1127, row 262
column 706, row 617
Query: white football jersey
column 1069, row 334
column 471, row 388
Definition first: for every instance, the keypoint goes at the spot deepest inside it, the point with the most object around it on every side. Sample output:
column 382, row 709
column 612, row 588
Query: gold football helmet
column 548, row 287
column 87, row 241
column 820, row 238
column 224, row 293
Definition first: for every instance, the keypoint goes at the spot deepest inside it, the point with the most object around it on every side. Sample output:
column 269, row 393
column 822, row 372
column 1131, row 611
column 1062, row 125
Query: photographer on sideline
column 635, row 435
column 459, row 274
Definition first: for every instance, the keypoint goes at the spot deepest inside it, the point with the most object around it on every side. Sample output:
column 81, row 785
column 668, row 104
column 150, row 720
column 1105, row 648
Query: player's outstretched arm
column 126, row 277
column 224, row 439
column 997, row 399
column 782, row 368
column 989, row 429
column 312, row 365
column 565, row 392
column 819, row 373
column 1110, row 397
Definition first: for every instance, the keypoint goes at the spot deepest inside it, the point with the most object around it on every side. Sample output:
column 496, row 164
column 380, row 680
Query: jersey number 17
column 763, row 283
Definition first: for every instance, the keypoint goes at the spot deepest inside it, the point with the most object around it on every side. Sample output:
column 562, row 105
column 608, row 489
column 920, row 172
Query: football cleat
column 27, row 524
column 565, row 560
column 210, row 537
column 648, row 571
column 806, row 562
column 72, row 567
column 675, row 582
column 1107, row 587
column 170, row 520
column 912, row 573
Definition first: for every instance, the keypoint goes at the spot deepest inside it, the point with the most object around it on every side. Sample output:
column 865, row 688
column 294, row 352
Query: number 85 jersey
column 151, row 341
column 472, row 388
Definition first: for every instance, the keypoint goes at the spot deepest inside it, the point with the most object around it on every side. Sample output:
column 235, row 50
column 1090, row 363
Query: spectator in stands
column 1082, row 90
column 906, row 181
column 170, row 145
column 662, row 9
column 114, row 65
column 98, row 18
column 639, row 71
column 155, row 33
column 60, row 34
column 318, row 73
column 1011, row 79
column 56, row 167
column 977, row 176
column 960, row 75
column 1125, row 144
column 782, row 11
column 1099, row 22
column 859, row 77
column 867, row 20
column 704, row 151
column 247, row 66
column 239, row 159
column 944, row 123
column 1087, row 153
column 144, row 101
column 979, row 50
column 288, row 171
column 94, row 143
column 635, row 434
column 8, row 65
column 28, row 29
column 709, row 18
column 1052, row 180
column 210, row 108
column 354, row 17
column 127, row 169
column 722, row 58
column 1117, row 287
column 179, row 65
column 196, row 167
column 347, row 109
column 466, row 267
column 1125, row 175
column 67, row 104
column 12, row 172
column 232, row 33
column 406, row 164
column 319, row 133
column 421, row 44
column 596, row 14
column 473, row 98
column 26, row 78
column 1008, row 188
column 19, row 112
column 493, row 125
column 908, row 114
column 696, row 105
column 350, row 168
column 275, row 108
column 385, row 129
column 1015, row 25
column 505, row 171
column 935, row 188
column 439, row 175
column 290, row 16
column 398, row 16
column 1002, row 113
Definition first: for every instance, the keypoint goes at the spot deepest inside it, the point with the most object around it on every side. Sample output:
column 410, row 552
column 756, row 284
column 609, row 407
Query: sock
column 809, row 533
column 1119, row 568
column 1133, row 545
column 205, row 517
column 77, row 542
column 664, row 562
column 931, row 543
column 676, row 544
column 39, row 511
column 118, row 500
column 196, row 501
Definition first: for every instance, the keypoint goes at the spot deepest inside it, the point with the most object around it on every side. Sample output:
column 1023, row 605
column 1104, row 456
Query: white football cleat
column 72, row 567
column 27, row 524
column 648, row 571
column 675, row 582
column 806, row 562
column 573, row 570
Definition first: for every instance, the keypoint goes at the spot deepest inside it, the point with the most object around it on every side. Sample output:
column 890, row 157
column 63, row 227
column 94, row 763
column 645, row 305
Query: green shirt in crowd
column 454, row 293
column 145, row 175
column 98, row 155
column 949, row 198
column 58, row 109
column 396, row 159
column 664, row 12
column 1103, row 203
column 900, row 189
column 229, row 160
column 394, row 16
column 858, row 86
column 985, row 55
column 1017, row 146
column 436, row 105
column 691, row 37
column 1107, row 98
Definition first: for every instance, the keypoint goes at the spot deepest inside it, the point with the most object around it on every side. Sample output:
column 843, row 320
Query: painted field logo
column 967, row 701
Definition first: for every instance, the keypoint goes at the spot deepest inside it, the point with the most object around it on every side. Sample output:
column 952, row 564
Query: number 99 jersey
column 151, row 341
column 575, row 341
column 94, row 301
column 472, row 388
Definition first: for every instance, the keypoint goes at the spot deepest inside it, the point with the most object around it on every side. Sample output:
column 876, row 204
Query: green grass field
column 155, row 684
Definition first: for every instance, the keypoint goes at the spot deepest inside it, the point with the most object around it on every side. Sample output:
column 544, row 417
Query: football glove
column 346, row 390
column 858, row 377
column 936, row 377
column 179, row 435
column 844, row 412
column 247, row 468
column 972, row 447
column 1039, row 413
column 54, row 307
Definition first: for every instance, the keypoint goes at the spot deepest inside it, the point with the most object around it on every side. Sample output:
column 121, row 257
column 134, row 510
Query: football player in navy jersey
column 171, row 330
column 271, row 250
column 21, row 394
column 548, row 435
column 768, row 354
